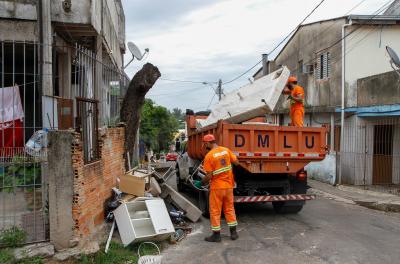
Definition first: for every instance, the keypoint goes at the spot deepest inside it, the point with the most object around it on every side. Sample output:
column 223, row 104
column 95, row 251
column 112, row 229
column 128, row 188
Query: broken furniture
column 191, row 211
column 143, row 220
column 134, row 182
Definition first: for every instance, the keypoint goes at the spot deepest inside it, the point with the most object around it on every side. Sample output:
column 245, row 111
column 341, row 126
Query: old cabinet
column 143, row 220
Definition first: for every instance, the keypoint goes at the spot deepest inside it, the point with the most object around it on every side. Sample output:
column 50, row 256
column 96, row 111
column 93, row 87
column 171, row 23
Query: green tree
column 178, row 114
column 157, row 126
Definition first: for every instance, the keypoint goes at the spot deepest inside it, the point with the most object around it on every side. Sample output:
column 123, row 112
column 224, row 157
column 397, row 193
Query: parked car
column 172, row 156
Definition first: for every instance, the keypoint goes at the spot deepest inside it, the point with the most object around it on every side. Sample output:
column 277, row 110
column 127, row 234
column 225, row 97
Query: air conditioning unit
column 308, row 68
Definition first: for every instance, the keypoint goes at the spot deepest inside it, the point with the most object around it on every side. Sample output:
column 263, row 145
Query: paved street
column 325, row 231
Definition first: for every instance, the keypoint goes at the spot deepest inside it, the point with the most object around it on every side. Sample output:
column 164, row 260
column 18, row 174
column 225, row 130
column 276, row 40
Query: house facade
column 61, row 68
column 346, row 53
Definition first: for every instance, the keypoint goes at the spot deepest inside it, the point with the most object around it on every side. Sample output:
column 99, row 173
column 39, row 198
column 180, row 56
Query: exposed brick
column 93, row 182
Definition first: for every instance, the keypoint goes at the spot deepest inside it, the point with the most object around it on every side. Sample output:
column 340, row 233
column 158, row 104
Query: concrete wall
column 22, row 31
column 61, row 189
column 381, row 89
column 305, row 45
column 18, row 9
column 78, row 191
column 80, row 12
column 366, row 55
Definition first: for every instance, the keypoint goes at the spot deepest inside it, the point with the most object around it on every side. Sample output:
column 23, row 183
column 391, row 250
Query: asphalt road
column 325, row 231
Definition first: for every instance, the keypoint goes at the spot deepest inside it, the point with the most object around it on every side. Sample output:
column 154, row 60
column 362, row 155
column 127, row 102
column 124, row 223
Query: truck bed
column 263, row 148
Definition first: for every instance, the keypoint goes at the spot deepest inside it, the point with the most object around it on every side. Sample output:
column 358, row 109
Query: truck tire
column 204, row 203
column 180, row 186
column 285, row 208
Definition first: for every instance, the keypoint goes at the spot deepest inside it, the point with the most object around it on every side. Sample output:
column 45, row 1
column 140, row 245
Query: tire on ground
column 288, row 207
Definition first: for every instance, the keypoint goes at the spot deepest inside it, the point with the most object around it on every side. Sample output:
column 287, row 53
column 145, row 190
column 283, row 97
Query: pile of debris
column 145, row 208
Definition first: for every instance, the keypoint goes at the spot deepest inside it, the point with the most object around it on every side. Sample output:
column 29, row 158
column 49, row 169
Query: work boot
column 234, row 234
column 215, row 237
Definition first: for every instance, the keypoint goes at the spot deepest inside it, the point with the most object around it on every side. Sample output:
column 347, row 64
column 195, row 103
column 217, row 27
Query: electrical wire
column 376, row 13
column 212, row 99
column 184, row 81
column 287, row 36
column 282, row 41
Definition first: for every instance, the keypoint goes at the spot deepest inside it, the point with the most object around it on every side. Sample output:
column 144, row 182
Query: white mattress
column 247, row 102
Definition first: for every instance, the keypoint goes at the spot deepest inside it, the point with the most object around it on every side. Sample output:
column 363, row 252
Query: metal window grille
column 87, row 125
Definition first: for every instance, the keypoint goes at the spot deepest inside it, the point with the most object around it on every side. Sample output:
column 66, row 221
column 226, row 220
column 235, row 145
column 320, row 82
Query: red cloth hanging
column 11, row 138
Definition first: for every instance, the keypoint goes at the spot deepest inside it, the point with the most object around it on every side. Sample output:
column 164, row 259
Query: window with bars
column 322, row 66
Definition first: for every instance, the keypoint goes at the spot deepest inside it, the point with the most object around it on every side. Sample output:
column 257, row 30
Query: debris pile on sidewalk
column 145, row 208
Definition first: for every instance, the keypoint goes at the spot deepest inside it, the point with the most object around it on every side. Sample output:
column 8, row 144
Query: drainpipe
column 339, row 181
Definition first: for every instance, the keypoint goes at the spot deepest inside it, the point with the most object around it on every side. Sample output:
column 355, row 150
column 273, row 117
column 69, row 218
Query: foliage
column 19, row 173
column 6, row 256
column 33, row 260
column 12, row 237
column 118, row 254
column 157, row 126
column 180, row 116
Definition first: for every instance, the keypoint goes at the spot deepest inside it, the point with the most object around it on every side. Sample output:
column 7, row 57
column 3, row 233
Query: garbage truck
column 271, row 157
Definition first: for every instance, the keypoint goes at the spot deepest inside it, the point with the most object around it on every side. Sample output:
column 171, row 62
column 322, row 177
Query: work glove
column 197, row 183
column 290, row 97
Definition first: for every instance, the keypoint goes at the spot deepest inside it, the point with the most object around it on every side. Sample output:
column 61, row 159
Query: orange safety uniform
column 218, row 162
column 297, row 108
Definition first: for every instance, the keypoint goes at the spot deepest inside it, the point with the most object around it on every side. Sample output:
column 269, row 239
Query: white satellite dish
column 136, row 53
column 394, row 59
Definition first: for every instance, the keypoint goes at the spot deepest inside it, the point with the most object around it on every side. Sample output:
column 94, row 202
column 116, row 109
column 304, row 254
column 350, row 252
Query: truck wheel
column 179, row 184
column 204, row 203
column 284, row 208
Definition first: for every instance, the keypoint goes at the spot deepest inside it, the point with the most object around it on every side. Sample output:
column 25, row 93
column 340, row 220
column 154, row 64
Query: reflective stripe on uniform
column 232, row 223
column 227, row 168
column 216, row 228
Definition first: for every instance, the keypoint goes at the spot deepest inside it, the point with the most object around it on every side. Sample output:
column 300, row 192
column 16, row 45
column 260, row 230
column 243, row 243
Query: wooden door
column 65, row 113
column 383, row 154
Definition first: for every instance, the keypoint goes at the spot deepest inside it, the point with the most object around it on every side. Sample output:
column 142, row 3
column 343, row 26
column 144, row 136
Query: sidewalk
column 374, row 200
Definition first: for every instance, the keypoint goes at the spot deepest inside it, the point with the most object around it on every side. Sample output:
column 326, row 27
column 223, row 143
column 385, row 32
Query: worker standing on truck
column 218, row 166
column 296, row 97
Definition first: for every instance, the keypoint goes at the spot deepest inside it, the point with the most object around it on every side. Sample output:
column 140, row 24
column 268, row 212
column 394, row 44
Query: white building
column 350, row 53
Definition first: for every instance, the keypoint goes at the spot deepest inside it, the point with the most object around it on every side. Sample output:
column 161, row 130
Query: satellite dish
column 394, row 59
column 136, row 53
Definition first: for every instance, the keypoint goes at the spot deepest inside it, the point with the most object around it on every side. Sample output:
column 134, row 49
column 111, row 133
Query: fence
column 370, row 157
column 87, row 95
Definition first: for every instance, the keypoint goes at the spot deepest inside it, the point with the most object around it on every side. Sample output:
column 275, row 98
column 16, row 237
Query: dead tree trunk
column 133, row 102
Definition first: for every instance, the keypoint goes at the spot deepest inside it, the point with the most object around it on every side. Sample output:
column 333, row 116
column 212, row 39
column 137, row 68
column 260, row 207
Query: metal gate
column 23, row 189
column 370, row 154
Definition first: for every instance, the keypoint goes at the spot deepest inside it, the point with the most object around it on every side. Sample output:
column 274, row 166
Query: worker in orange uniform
column 218, row 166
column 296, row 97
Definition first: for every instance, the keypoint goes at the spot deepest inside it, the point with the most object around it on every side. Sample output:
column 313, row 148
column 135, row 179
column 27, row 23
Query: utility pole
column 265, row 64
column 219, row 90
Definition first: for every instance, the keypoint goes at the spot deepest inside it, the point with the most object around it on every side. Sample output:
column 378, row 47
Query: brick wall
column 92, row 182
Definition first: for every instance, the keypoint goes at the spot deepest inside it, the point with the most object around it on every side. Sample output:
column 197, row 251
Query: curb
column 381, row 206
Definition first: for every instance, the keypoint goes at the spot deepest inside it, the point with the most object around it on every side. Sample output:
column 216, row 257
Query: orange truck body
column 263, row 148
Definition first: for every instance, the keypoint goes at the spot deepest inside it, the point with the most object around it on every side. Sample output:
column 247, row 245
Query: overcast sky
column 204, row 40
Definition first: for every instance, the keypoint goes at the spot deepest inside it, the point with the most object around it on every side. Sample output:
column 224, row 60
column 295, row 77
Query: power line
column 287, row 36
column 291, row 32
column 375, row 14
column 184, row 81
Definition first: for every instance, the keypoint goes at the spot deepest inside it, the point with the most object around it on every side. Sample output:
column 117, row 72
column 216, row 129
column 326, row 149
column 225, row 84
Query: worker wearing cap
column 296, row 97
column 218, row 166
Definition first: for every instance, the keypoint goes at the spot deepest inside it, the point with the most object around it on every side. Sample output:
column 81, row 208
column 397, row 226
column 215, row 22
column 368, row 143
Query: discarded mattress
column 250, row 101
